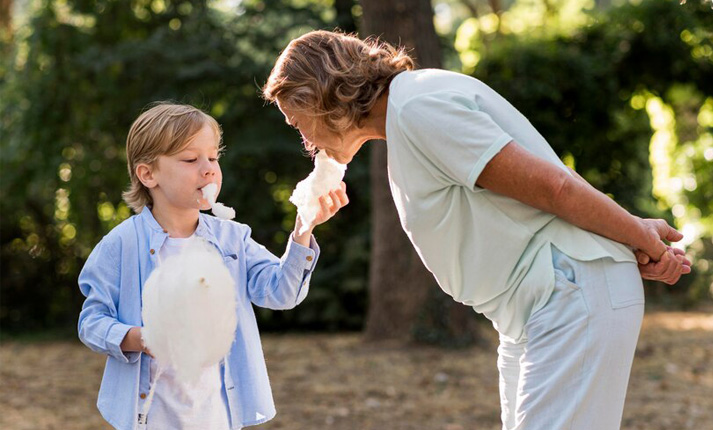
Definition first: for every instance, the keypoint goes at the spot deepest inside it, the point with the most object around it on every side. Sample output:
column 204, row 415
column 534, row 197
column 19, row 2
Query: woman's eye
column 191, row 160
column 214, row 159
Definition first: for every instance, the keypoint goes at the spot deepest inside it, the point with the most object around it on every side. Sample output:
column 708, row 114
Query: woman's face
column 340, row 147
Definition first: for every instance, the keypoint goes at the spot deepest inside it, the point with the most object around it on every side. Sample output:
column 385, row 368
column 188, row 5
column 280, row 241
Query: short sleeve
column 452, row 133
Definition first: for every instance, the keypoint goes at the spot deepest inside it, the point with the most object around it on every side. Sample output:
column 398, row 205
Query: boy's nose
column 208, row 169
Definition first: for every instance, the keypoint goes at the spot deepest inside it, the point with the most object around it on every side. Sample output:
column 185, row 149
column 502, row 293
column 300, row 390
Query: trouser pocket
column 624, row 283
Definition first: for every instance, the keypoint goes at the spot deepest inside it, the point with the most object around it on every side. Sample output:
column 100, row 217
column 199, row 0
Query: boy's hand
column 329, row 206
column 668, row 269
column 134, row 342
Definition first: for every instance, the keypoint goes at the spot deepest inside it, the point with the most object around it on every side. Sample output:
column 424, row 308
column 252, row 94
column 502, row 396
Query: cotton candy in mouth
column 210, row 192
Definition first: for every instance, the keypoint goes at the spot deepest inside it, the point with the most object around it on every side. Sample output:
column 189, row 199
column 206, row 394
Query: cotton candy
column 189, row 310
column 210, row 192
column 326, row 176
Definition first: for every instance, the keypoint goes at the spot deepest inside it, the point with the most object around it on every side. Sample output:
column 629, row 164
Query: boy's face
column 176, row 180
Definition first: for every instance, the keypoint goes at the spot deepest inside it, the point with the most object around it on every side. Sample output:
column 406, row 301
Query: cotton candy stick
column 325, row 177
column 210, row 192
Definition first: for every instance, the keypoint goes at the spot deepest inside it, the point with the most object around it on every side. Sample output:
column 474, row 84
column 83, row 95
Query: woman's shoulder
column 412, row 85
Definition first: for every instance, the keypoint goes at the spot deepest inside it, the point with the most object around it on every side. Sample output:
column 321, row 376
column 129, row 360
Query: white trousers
column 572, row 371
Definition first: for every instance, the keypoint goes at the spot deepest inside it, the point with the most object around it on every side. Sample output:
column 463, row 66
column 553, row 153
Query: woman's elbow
column 558, row 190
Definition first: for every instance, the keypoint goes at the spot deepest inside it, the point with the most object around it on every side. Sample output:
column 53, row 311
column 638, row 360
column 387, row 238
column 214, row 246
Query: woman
column 493, row 213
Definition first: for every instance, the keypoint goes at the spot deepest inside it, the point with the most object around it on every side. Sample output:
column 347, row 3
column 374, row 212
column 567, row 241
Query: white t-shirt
column 486, row 250
column 178, row 406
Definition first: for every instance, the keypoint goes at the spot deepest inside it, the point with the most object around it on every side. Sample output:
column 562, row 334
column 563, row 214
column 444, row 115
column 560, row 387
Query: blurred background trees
column 623, row 92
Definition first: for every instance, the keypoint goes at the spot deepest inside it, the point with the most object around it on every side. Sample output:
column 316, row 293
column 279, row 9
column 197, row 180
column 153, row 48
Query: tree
column 404, row 300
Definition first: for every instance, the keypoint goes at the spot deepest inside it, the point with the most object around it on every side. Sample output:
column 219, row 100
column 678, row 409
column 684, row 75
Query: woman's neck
column 375, row 123
column 176, row 224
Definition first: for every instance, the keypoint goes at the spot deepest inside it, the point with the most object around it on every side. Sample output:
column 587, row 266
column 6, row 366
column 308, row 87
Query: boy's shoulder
column 129, row 230
column 222, row 227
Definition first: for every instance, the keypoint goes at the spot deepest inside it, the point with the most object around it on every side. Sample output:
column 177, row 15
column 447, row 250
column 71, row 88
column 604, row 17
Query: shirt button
column 309, row 258
column 152, row 251
column 142, row 395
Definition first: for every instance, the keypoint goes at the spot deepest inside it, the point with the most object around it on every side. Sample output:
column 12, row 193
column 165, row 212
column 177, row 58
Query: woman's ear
column 145, row 174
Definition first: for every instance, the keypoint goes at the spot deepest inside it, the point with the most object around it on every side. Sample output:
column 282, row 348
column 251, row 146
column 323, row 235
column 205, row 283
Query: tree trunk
column 404, row 299
column 6, row 19
column 345, row 19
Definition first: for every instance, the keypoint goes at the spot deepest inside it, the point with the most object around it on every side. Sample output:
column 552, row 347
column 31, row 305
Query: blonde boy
column 172, row 153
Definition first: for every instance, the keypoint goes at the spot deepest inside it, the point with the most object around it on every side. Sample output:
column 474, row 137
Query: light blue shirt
column 486, row 250
column 112, row 280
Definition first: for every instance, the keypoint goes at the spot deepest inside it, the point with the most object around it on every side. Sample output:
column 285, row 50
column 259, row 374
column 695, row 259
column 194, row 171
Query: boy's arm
column 284, row 284
column 99, row 327
column 279, row 283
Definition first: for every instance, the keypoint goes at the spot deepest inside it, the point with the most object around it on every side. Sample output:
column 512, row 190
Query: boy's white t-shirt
column 486, row 250
column 178, row 406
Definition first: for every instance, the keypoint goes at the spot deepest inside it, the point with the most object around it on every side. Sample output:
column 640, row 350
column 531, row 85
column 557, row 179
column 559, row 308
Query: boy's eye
column 191, row 160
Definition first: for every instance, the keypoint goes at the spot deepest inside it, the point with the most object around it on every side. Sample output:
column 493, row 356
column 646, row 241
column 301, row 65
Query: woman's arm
column 518, row 174
column 651, row 270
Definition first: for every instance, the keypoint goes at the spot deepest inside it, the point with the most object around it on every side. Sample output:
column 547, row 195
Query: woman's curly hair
column 334, row 76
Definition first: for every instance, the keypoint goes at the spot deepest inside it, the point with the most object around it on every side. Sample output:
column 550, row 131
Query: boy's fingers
column 343, row 199
column 336, row 202
column 323, row 204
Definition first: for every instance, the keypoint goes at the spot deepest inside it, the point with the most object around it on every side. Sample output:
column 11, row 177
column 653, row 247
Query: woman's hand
column 657, row 261
column 657, row 230
column 668, row 269
column 329, row 206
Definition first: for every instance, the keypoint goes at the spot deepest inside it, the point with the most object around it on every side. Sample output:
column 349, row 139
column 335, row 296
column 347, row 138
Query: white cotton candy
column 326, row 176
column 189, row 310
column 210, row 192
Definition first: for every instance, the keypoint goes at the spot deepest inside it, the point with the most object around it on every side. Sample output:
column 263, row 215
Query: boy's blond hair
column 164, row 129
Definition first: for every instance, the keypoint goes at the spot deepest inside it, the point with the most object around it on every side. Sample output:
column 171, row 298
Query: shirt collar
column 203, row 230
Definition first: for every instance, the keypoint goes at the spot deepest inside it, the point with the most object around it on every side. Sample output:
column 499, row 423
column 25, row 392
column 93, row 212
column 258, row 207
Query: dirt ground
column 339, row 382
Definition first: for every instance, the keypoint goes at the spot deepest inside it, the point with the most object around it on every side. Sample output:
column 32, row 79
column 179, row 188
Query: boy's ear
column 146, row 175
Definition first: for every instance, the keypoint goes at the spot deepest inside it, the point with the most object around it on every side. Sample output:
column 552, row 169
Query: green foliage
column 76, row 78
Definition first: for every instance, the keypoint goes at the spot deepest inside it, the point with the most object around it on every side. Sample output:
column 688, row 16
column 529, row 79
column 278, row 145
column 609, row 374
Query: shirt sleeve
column 279, row 283
column 453, row 134
column 99, row 327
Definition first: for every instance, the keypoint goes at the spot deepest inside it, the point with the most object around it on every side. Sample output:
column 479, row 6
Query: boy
column 172, row 152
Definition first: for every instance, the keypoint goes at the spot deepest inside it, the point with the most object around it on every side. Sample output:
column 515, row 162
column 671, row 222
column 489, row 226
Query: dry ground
column 339, row 382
